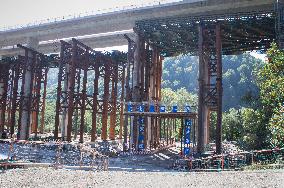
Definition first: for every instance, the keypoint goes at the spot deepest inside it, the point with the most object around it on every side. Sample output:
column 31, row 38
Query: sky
column 18, row 13
column 22, row 12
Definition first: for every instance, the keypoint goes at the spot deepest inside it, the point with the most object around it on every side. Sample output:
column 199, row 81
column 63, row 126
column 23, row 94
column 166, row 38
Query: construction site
column 131, row 129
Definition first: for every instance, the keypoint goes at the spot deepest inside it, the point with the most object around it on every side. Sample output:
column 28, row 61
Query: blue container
column 162, row 108
column 130, row 108
column 152, row 108
column 175, row 109
column 141, row 108
column 188, row 109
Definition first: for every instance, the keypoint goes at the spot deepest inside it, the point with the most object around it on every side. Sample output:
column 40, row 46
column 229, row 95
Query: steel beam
column 95, row 101
column 219, row 89
column 113, row 103
column 105, row 100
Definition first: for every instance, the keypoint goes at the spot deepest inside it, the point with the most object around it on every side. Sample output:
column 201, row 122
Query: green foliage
column 254, row 129
column 240, row 89
column 276, row 127
column 232, row 125
column 49, row 115
column 181, row 97
column 244, row 125
column 271, row 79
column 271, row 83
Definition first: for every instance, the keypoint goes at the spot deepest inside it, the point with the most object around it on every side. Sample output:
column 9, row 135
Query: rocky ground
column 49, row 177
column 125, row 170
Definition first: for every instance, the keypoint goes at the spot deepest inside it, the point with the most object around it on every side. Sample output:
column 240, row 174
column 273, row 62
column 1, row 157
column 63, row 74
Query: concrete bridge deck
column 122, row 21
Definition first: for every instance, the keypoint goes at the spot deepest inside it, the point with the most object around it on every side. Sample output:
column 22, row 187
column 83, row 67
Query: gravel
column 49, row 177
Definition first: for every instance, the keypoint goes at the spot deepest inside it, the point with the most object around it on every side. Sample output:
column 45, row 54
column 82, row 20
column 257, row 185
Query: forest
column 253, row 96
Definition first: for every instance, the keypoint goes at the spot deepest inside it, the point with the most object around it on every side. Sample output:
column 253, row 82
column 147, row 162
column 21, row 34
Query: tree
column 181, row 98
column 270, row 80
column 238, row 78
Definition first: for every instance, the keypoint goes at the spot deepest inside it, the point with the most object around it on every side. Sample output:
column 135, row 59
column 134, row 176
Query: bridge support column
column 113, row 102
column 137, row 82
column 201, row 80
column 121, row 103
column 27, row 90
column 105, row 101
column 130, row 62
column 219, row 89
column 95, row 103
column 210, row 84
column 4, row 75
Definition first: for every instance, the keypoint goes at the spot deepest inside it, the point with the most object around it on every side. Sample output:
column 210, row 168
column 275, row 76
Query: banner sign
column 141, row 126
column 187, row 131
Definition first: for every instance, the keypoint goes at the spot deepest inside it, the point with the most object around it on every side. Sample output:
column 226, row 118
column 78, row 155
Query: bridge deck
column 124, row 20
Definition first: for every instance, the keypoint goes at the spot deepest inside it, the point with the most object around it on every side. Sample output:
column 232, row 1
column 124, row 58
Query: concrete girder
column 122, row 20
column 102, row 41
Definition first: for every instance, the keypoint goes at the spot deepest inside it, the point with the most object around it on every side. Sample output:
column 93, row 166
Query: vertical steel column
column 210, row 84
column 152, row 96
column 84, row 97
column 113, row 102
column 59, row 90
column 36, row 95
column 136, row 85
column 26, row 90
column 122, row 103
column 201, row 105
column 9, row 97
column 147, row 73
column 130, row 59
column 16, row 70
column 76, row 98
column 4, row 75
column 142, row 69
column 105, row 100
column 219, row 89
column 95, row 100
column 71, row 83
column 43, row 101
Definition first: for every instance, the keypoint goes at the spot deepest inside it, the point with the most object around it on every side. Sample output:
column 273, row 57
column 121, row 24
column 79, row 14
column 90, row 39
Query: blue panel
column 162, row 109
column 152, row 108
column 130, row 108
column 141, row 146
column 141, row 129
column 188, row 109
column 186, row 151
column 187, row 130
column 140, row 108
column 141, row 120
column 141, row 137
column 188, row 122
column 174, row 109
column 187, row 140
